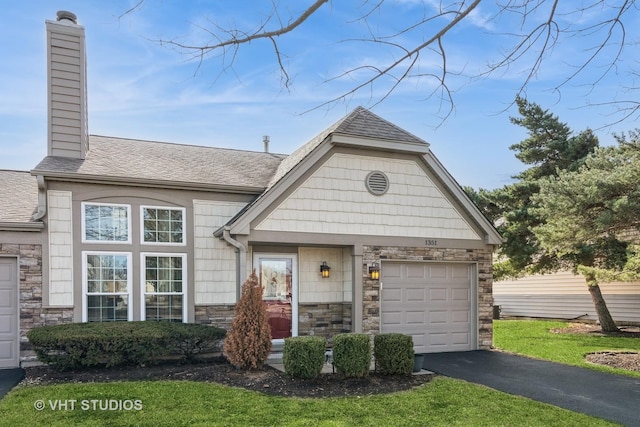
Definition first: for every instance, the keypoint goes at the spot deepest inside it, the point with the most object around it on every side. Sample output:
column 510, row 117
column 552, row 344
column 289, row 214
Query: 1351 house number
column 431, row 242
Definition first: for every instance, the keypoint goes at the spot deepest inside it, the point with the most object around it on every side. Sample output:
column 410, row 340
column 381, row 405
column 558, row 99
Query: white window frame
column 85, row 283
column 108, row 242
column 143, row 279
column 170, row 208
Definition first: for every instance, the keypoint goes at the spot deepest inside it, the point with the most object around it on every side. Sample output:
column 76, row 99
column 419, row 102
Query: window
column 163, row 225
column 108, row 283
column 163, row 281
column 106, row 223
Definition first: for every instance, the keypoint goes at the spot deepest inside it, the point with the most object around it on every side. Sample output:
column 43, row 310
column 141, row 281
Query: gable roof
column 18, row 196
column 134, row 161
column 360, row 123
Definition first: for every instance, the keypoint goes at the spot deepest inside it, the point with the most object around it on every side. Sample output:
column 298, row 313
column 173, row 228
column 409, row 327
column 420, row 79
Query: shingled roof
column 18, row 196
column 122, row 159
column 360, row 123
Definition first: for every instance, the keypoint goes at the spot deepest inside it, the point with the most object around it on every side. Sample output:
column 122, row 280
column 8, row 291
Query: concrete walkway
column 612, row 397
column 9, row 378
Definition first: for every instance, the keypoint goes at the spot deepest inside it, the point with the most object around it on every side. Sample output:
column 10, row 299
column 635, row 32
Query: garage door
column 432, row 302
column 8, row 313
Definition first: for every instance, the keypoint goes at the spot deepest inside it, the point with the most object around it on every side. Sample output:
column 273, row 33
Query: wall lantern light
column 324, row 269
column 374, row 271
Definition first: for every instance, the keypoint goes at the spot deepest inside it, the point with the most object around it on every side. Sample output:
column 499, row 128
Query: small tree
column 248, row 341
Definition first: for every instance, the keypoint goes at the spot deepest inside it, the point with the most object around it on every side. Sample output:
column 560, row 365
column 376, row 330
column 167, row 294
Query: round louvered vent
column 377, row 183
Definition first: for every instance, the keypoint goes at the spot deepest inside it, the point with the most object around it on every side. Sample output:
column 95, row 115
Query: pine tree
column 248, row 342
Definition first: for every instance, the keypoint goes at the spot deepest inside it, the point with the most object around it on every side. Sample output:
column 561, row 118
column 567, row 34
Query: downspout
column 241, row 258
column 42, row 198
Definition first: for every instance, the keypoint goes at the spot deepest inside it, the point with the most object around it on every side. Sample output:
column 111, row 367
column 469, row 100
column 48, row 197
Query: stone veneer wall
column 216, row 315
column 483, row 258
column 323, row 319
column 32, row 314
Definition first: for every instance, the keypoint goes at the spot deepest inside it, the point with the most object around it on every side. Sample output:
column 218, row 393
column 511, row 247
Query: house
column 564, row 295
column 360, row 229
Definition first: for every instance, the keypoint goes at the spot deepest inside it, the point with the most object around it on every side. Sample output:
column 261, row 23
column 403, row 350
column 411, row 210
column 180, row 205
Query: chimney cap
column 65, row 14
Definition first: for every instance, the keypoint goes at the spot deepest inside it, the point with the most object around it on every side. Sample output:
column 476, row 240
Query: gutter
column 42, row 198
column 241, row 256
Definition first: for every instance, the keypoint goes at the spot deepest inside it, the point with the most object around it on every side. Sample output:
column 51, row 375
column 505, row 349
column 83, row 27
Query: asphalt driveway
column 9, row 378
column 612, row 397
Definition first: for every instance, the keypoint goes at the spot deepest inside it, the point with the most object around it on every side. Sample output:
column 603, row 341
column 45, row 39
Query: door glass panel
column 276, row 280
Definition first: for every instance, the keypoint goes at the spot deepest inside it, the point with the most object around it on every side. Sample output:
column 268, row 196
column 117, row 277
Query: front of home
column 361, row 229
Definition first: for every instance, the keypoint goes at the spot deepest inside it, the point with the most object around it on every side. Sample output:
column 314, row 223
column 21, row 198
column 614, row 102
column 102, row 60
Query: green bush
column 393, row 354
column 78, row 345
column 303, row 357
column 352, row 354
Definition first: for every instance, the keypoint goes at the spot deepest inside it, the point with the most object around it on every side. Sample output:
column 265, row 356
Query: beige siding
column 313, row 288
column 214, row 260
column 565, row 296
column 67, row 90
column 335, row 200
column 60, row 248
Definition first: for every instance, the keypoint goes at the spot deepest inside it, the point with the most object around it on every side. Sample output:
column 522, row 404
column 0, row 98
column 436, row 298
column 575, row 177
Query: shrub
column 78, row 345
column 248, row 341
column 352, row 354
column 303, row 357
column 393, row 354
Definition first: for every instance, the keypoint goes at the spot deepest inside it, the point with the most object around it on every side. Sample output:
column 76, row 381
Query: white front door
column 9, row 313
column 278, row 276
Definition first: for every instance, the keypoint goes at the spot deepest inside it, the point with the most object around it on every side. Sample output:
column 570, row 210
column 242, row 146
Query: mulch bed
column 617, row 359
column 267, row 380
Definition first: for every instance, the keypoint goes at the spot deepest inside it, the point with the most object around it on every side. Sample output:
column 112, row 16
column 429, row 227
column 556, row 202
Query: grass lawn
column 443, row 401
column 164, row 403
column 532, row 338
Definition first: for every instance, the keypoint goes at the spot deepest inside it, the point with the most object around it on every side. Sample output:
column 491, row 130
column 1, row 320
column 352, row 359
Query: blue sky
column 141, row 89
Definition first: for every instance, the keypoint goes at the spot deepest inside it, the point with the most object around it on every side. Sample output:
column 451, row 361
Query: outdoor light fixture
column 324, row 269
column 374, row 271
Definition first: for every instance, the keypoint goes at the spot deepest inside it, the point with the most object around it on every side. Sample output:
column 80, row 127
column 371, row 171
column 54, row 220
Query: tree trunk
column 604, row 317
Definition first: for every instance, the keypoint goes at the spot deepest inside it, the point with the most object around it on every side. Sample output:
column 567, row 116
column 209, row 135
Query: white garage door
column 8, row 313
column 432, row 302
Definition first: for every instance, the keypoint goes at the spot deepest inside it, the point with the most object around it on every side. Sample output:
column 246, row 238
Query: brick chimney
column 67, row 133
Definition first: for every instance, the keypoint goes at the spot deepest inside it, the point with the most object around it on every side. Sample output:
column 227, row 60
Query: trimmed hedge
column 78, row 345
column 393, row 354
column 352, row 354
column 303, row 357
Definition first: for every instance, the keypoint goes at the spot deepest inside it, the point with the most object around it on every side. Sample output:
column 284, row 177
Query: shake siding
column 313, row 288
column 565, row 296
column 60, row 248
column 335, row 200
column 67, row 91
column 214, row 259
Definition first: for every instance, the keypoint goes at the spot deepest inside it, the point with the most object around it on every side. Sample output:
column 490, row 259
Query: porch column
column 356, row 289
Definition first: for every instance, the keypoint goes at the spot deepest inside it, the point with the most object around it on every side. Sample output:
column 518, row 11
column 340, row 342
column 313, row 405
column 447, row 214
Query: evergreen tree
column 248, row 342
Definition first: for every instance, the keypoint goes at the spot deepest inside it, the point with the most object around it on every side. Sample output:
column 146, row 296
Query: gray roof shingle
column 18, row 196
column 122, row 159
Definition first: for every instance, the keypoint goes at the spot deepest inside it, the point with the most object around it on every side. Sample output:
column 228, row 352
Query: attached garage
column 432, row 302
column 8, row 313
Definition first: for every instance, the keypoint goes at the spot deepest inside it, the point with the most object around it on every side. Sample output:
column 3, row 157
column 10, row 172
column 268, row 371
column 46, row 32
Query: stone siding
column 324, row 320
column 216, row 315
column 32, row 314
column 483, row 258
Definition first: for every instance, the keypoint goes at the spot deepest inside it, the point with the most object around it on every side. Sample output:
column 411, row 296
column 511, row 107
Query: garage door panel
column 392, row 295
column 392, row 318
column 437, row 294
column 458, row 294
column 437, row 317
column 437, row 272
column 416, row 318
column 8, row 313
column 392, row 271
column 416, row 295
column 431, row 303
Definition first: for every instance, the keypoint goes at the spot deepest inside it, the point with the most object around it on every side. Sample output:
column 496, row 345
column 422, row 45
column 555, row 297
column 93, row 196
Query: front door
column 278, row 275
